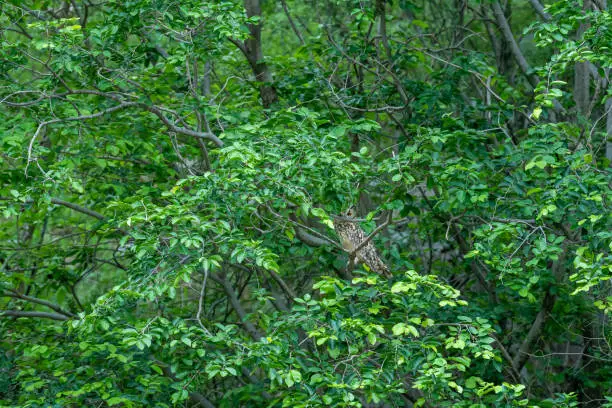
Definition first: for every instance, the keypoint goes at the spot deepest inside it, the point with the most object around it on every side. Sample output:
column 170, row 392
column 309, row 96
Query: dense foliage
column 171, row 172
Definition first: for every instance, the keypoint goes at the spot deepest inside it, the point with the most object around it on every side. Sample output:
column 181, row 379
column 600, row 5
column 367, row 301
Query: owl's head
column 350, row 212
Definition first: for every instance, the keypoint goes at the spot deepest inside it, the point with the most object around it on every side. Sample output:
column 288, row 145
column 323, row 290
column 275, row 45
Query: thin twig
column 201, row 302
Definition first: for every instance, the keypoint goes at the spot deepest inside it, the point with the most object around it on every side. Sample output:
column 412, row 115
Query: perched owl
column 352, row 236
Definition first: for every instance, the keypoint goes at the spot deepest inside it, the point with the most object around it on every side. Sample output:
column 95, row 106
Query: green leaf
column 402, row 287
column 157, row 369
column 536, row 113
column 398, row 329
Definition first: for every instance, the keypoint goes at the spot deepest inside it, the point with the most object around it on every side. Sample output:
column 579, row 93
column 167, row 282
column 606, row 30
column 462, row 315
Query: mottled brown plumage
column 352, row 236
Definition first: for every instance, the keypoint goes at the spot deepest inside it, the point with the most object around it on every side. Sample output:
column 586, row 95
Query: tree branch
column 67, row 204
column 506, row 31
column 235, row 302
column 515, row 373
column 184, row 131
column 293, row 26
column 122, row 105
column 42, row 125
column 534, row 332
column 288, row 291
column 309, row 239
column 372, row 235
column 539, row 8
column 23, row 314
column 42, row 302
column 78, row 208
column 548, row 303
column 193, row 395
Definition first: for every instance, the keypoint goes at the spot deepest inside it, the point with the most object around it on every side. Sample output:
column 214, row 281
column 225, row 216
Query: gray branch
column 67, row 204
column 78, row 208
column 539, row 8
column 23, row 314
column 308, row 238
column 42, row 302
column 235, row 302
column 506, row 31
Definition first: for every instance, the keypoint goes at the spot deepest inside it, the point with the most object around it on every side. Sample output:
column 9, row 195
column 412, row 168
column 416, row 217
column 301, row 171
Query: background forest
column 171, row 173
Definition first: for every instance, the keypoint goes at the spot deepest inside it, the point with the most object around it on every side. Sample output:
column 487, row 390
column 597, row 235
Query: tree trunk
column 582, row 75
column 254, row 54
column 609, row 130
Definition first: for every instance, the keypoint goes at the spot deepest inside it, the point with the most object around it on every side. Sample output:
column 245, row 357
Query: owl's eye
column 351, row 212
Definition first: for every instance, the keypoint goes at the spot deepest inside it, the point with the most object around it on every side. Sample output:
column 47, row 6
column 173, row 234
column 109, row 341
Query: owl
column 352, row 236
